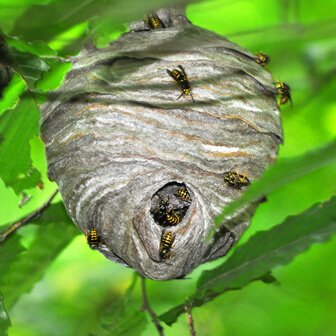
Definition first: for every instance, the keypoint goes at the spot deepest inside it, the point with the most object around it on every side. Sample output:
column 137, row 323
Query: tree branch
column 150, row 311
column 25, row 220
column 190, row 320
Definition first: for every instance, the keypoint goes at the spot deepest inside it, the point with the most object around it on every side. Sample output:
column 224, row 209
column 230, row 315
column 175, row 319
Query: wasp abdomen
column 93, row 239
column 173, row 218
column 184, row 194
column 154, row 22
column 166, row 243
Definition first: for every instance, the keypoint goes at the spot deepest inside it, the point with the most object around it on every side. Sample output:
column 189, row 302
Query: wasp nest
column 142, row 173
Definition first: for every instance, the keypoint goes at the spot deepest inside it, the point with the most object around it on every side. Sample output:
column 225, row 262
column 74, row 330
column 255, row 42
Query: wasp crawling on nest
column 262, row 59
column 235, row 180
column 153, row 21
column 284, row 93
column 180, row 76
column 166, row 243
column 93, row 238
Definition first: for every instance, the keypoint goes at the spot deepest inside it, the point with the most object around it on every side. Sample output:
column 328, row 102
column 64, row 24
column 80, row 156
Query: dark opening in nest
column 170, row 204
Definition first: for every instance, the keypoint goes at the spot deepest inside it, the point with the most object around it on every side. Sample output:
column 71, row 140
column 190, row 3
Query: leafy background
column 53, row 284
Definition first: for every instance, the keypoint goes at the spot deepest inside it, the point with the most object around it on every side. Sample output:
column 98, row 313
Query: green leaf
column 124, row 317
column 44, row 22
column 9, row 253
column 29, row 67
column 125, row 320
column 263, row 252
column 28, row 60
column 54, row 233
column 4, row 318
column 17, row 127
column 52, row 79
column 37, row 48
column 282, row 173
column 11, row 93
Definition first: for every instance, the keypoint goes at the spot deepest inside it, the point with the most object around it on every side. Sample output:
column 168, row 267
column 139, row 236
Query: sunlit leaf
column 11, row 93
column 52, row 79
column 17, row 127
column 4, row 318
column 55, row 232
column 263, row 252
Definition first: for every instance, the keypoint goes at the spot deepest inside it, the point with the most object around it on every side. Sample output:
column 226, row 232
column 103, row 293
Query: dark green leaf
column 17, row 127
column 28, row 60
column 55, row 232
column 281, row 174
column 264, row 251
column 9, row 253
column 124, row 318
column 4, row 318
column 29, row 67
column 37, row 48
column 44, row 22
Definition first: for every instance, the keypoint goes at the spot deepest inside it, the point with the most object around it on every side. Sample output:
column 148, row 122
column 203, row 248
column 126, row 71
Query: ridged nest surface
column 121, row 147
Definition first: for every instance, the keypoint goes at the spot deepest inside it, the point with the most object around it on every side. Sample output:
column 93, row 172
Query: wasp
column 167, row 240
column 283, row 92
column 153, row 21
column 172, row 218
column 93, row 239
column 235, row 180
column 262, row 59
column 184, row 194
column 180, row 76
column 160, row 215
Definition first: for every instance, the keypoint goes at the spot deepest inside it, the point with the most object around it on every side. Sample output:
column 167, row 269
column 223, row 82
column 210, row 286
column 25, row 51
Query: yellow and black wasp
column 166, row 243
column 236, row 180
column 172, row 218
column 283, row 92
column 93, row 239
column 153, row 21
column 180, row 76
column 184, row 194
column 262, row 59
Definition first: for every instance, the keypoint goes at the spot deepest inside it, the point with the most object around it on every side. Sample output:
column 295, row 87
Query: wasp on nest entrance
column 170, row 204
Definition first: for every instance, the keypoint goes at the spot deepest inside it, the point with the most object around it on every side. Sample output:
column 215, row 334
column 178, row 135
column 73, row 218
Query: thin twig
column 147, row 307
column 25, row 220
column 190, row 320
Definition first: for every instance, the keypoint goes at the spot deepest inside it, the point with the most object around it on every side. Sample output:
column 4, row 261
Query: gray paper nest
column 117, row 141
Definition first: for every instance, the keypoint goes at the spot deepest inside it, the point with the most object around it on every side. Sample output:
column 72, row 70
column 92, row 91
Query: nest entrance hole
column 170, row 204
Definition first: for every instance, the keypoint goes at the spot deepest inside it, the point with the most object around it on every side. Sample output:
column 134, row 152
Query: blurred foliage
column 282, row 173
column 71, row 290
column 261, row 253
